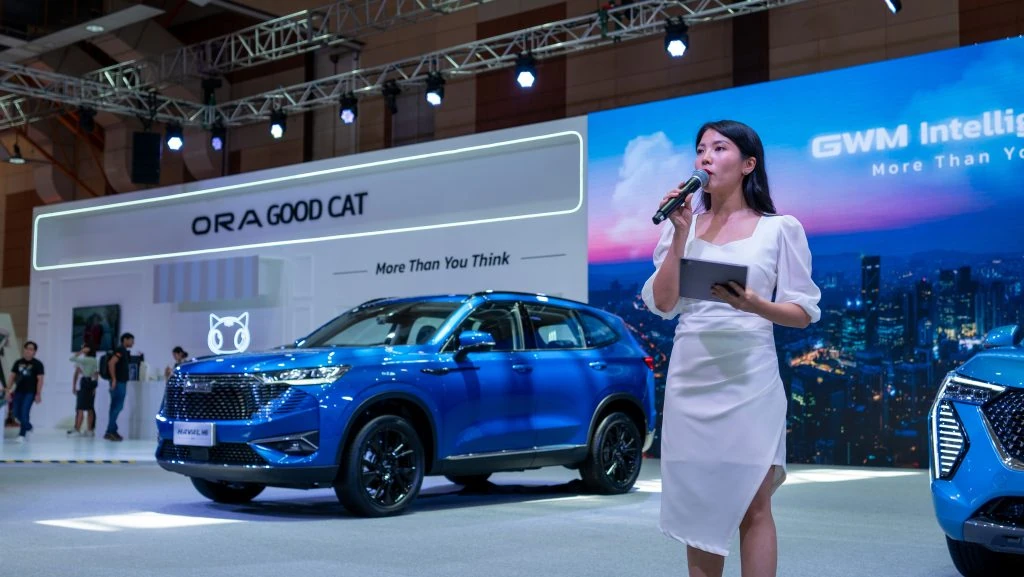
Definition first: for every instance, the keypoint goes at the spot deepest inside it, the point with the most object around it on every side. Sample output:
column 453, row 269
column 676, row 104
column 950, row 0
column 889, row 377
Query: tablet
column 696, row 277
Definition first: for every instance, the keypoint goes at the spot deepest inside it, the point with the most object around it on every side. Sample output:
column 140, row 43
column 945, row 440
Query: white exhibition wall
column 281, row 251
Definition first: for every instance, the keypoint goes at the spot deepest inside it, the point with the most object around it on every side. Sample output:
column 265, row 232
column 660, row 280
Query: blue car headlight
column 960, row 389
column 310, row 376
column 948, row 438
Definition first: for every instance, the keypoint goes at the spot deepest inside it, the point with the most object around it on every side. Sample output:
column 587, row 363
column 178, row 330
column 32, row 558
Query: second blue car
column 397, row 389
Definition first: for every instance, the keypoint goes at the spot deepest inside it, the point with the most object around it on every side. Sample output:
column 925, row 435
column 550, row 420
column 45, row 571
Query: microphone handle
column 674, row 203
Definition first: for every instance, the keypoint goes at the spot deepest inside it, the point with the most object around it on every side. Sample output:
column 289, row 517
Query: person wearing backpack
column 117, row 366
column 83, row 386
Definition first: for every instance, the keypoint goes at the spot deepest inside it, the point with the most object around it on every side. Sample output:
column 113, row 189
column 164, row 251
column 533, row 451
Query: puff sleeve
column 794, row 283
column 660, row 252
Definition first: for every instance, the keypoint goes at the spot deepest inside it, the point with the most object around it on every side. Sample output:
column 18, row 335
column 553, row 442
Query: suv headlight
column 311, row 376
column 948, row 438
column 961, row 389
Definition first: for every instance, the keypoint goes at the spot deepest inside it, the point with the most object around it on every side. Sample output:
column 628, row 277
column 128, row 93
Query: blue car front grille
column 221, row 397
column 1006, row 415
column 220, row 454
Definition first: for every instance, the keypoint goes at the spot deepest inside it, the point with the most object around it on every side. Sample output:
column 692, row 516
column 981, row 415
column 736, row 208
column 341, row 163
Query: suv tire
column 616, row 453
column 382, row 470
column 225, row 492
column 973, row 560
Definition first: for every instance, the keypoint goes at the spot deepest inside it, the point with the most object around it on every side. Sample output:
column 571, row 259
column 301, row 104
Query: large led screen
column 906, row 177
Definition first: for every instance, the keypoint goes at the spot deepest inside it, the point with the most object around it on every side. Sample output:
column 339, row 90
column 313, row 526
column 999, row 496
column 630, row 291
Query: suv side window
column 596, row 331
column 555, row 327
column 501, row 320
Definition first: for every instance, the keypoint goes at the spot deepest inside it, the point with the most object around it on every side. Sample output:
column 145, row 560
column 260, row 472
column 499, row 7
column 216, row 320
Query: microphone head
column 702, row 176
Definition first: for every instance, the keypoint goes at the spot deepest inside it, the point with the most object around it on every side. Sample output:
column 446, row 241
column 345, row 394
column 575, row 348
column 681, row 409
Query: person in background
column 26, row 387
column 179, row 355
column 3, row 376
column 83, row 386
column 118, row 366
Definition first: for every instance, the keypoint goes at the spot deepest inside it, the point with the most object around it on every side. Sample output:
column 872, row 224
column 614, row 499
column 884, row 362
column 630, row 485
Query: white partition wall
column 254, row 261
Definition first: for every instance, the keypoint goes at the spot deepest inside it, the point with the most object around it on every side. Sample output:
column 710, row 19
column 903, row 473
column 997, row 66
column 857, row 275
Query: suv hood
column 283, row 359
column 1002, row 366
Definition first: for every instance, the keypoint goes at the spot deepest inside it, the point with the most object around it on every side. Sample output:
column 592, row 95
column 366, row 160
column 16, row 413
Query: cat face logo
column 220, row 328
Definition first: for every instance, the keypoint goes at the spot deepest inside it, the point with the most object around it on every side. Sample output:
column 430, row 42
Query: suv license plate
column 193, row 434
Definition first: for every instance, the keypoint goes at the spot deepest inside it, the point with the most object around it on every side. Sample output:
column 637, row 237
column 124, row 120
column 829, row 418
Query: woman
column 83, row 386
column 180, row 355
column 723, row 449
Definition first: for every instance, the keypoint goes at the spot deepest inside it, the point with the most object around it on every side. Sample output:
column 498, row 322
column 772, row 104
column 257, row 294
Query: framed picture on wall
column 97, row 326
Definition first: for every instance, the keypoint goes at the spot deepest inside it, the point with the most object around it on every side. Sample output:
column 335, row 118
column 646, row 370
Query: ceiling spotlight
column 894, row 5
column 217, row 136
column 348, row 108
column 94, row 28
column 526, row 70
column 391, row 92
column 278, row 123
column 175, row 138
column 435, row 88
column 16, row 158
column 677, row 37
column 86, row 119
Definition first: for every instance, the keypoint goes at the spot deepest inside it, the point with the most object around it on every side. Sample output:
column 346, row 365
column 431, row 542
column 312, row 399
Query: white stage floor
column 57, row 447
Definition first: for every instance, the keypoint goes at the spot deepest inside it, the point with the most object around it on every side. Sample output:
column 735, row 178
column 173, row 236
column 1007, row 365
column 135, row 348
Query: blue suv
column 976, row 435
column 399, row 388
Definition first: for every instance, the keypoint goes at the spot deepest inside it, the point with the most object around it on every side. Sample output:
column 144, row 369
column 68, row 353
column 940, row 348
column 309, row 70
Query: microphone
column 697, row 181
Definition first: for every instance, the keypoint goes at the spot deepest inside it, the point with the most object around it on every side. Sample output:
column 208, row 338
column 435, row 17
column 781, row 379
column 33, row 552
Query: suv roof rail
column 528, row 294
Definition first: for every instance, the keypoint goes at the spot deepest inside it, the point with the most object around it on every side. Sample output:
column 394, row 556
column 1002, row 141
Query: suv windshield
column 404, row 323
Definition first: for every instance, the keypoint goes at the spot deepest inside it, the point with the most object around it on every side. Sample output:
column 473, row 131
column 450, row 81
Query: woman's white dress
column 724, row 418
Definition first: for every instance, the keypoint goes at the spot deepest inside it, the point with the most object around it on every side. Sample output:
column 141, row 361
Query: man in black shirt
column 26, row 387
column 118, row 366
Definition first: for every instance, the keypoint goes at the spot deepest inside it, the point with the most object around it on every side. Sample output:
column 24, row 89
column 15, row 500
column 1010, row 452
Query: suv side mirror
column 1004, row 336
column 470, row 341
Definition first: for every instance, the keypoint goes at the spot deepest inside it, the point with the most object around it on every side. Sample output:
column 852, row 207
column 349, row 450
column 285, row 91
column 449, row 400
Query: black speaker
column 146, row 148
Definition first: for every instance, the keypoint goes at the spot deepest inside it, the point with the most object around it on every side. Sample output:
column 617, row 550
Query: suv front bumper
column 994, row 535
column 298, row 477
column 982, row 478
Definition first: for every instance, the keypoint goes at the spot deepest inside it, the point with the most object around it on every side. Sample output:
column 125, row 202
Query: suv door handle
column 522, row 368
column 598, row 365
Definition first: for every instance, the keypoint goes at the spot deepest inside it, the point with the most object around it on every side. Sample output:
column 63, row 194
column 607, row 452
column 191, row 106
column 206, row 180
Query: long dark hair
column 755, row 184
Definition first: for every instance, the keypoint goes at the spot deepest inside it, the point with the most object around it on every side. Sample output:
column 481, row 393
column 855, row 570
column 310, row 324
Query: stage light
column 278, row 123
column 677, row 37
column 174, row 137
column 348, row 108
column 435, row 88
column 16, row 158
column 894, row 5
column 391, row 92
column 526, row 70
column 217, row 136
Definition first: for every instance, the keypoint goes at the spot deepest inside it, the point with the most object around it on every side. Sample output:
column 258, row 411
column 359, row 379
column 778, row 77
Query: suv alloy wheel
column 613, row 464
column 383, row 468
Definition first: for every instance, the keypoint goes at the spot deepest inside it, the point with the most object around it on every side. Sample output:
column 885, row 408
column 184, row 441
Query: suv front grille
column 1005, row 511
column 222, row 454
column 220, row 397
column 1006, row 415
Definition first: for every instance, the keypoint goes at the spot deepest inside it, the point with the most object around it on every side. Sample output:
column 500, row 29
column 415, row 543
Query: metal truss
column 617, row 24
column 17, row 110
column 341, row 23
column 621, row 23
column 27, row 84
